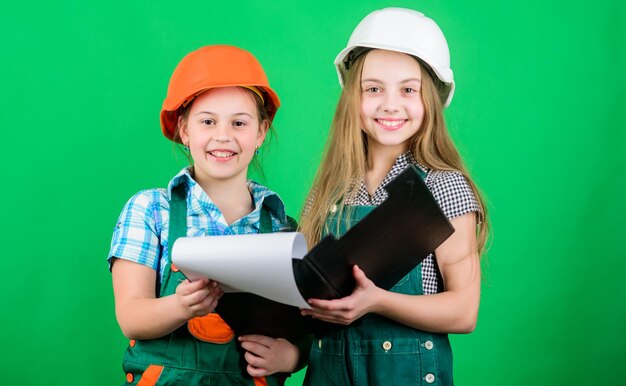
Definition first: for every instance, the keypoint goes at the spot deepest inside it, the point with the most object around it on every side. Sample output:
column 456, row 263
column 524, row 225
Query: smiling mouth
column 390, row 124
column 222, row 154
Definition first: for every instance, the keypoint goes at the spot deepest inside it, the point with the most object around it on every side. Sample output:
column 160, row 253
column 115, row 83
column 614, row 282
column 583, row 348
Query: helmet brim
column 170, row 109
column 444, row 75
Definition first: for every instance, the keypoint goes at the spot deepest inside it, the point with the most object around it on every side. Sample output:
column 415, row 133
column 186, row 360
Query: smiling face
column 391, row 103
column 222, row 131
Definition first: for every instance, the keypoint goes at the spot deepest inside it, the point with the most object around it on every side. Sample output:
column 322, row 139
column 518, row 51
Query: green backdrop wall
column 538, row 115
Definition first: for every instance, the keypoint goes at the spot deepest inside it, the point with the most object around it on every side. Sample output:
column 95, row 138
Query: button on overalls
column 375, row 350
column 204, row 351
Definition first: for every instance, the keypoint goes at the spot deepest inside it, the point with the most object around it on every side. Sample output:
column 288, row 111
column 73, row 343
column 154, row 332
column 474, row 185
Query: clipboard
column 386, row 244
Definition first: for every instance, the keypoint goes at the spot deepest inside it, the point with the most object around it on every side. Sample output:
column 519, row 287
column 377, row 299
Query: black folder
column 386, row 244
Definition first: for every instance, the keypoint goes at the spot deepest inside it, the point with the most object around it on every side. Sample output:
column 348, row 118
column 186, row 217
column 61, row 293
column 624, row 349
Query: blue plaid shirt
column 141, row 233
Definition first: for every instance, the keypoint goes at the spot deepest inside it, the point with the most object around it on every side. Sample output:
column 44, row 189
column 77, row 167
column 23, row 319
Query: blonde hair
column 345, row 158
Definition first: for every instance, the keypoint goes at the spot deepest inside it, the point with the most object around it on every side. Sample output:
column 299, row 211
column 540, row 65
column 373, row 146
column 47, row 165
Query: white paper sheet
column 259, row 263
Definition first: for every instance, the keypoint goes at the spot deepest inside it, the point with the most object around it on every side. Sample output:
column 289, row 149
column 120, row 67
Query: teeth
column 222, row 154
column 390, row 123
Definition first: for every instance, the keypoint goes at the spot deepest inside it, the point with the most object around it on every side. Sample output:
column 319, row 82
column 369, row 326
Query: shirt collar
column 183, row 177
column 264, row 196
column 261, row 194
column 406, row 159
column 400, row 164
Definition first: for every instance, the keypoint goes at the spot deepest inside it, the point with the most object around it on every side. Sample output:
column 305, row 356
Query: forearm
column 453, row 311
column 446, row 312
column 456, row 309
column 150, row 318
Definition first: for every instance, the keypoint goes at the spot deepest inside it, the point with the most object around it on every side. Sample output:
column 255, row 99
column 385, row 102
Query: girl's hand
column 266, row 356
column 363, row 300
column 199, row 297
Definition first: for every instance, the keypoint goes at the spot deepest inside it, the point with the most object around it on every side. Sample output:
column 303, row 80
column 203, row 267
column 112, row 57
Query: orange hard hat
column 211, row 67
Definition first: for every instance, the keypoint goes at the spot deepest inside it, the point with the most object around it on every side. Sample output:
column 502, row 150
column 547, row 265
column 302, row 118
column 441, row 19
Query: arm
column 141, row 315
column 453, row 311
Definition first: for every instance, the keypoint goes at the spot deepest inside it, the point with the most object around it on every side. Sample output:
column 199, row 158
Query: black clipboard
column 386, row 244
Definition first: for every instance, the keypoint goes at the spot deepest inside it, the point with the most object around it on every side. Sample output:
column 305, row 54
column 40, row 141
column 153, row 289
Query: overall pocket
column 394, row 361
column 326, row 364
column 210, row 328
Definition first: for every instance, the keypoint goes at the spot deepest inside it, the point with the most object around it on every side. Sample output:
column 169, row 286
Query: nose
column 390, row 103
column 222, row 134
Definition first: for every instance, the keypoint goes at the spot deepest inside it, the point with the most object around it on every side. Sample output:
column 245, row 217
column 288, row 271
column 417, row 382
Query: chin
column 393, row 142
column 224, row 177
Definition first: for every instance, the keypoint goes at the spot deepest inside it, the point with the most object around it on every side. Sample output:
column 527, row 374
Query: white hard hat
column 402, row 30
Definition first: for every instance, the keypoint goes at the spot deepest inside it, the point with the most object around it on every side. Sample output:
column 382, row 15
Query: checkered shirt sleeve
column 455, row 198
column 452, row 192
column 449, row 188
column 137, row 233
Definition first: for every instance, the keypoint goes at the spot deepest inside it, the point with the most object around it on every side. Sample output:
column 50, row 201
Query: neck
column 380, row 159
column 231, row 196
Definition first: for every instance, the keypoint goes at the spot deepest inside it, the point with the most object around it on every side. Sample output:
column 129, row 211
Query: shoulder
column 445, row 178
column 452, row 191
column 148, row 200
column 146, row 209
column 137, row 234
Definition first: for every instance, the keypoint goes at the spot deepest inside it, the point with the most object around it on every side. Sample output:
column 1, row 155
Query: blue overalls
column 204, row 351
column 375, row 350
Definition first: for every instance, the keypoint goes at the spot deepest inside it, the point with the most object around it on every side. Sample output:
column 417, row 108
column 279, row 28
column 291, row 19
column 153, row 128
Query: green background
column 538, row 115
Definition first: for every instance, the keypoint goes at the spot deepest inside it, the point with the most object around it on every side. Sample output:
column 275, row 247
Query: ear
column 182, row 130
column 263, row 129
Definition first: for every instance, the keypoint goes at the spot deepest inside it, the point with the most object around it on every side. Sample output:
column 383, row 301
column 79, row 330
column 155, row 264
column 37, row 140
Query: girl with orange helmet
column 220, row 106
column 396, row 79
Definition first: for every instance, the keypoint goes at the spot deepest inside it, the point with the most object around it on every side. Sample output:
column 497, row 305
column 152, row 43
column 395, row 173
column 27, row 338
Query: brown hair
column 345, row 158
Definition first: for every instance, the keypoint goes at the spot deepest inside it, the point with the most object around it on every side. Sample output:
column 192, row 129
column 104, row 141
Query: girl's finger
column 255, row 348
column 256, row 372
column 260, row 339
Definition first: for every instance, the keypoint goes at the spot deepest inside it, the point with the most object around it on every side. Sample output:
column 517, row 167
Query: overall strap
column 420, row 172
column 266, row 221
column 177, row 228
column 178, row 216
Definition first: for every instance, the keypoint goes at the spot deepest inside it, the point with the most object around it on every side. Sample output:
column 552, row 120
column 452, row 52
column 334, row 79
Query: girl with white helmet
column 396, row 81
column 220, row 106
